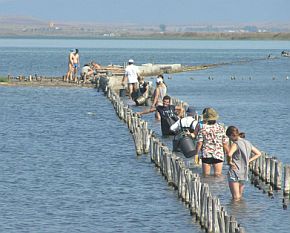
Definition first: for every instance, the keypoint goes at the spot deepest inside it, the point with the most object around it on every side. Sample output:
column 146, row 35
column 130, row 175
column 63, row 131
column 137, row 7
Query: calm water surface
column 68, row 164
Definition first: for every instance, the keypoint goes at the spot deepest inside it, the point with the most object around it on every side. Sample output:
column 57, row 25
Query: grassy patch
column 3, row 79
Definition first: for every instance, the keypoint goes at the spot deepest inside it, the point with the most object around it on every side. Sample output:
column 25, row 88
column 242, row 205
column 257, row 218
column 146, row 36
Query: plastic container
column 140, row 100
column 186, row 146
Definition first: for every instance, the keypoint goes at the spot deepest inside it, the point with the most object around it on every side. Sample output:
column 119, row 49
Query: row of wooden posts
column 202, row 204
column 270, row 171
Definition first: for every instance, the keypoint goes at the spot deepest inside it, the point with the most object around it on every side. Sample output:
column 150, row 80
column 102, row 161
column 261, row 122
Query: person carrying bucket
column 184, row 138
column 142, row 94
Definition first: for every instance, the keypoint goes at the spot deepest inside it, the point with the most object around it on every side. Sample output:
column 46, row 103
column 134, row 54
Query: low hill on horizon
column 24, row 26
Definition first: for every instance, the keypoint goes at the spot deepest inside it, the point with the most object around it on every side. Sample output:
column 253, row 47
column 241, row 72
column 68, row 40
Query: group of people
column 88, row 70
column 214, row 143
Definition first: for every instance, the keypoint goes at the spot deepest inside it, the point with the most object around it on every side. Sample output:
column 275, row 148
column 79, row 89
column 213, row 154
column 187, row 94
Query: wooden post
column 188, row 179
column 215, row 214
column 272, row 170
column 209, row 225
column 263, row 168
column 286, row 188
column 278, row 175
column 233, row 224
column 221, row 221
column 268, row 170
column 138, row 140
column 227, row 223
column 203, row 217
column 195, row 199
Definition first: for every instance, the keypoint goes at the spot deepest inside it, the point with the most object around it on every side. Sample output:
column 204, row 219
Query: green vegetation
column 3, row 79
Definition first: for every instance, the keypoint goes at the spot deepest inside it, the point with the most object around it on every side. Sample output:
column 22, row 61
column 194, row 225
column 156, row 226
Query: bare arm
column 226, row 148
column 156, row 95
column 256, row 152
column 78, row 60
column 146, row 90
column 175, row 126
column 71, row 58
column 198, row 147
column 231, row 151
column 152, row 109
column 196, row 129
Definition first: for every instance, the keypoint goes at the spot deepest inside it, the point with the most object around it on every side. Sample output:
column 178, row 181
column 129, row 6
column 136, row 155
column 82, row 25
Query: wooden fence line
column 202, row 204
column 271, row 172
column 267, row 169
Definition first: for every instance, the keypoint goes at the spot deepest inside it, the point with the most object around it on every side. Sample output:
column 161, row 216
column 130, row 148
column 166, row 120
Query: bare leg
column 206, row 169
column 75, row 75
column 235, row 190
column 242, row 186
column 135, row 88
column 68, row 74
column 218, row 169
column 130, row 87
column 71, row 74
column 66, row 78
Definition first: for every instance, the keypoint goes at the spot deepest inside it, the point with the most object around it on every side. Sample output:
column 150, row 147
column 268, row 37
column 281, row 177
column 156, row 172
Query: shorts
column 232, row 177
column 75, row 65
column 211, row 160
column 132, row 84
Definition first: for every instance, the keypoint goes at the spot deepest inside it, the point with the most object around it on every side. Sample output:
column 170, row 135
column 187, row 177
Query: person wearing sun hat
column 212, row 142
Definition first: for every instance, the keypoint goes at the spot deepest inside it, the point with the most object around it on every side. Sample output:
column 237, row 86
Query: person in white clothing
column 184, row 128
column 186, row 123
column 131, row 75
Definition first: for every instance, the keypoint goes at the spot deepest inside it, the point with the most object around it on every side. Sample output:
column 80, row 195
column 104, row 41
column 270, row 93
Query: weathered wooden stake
column 286, row 188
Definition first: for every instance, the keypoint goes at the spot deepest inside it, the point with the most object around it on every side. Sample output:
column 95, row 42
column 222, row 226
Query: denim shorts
column 234, row 178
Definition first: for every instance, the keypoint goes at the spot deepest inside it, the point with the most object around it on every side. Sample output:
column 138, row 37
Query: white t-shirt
column 85, row 70
column 131, row 72
column 186, row 122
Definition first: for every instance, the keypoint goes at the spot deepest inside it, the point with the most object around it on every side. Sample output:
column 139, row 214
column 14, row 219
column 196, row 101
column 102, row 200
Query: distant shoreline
column 158, row 36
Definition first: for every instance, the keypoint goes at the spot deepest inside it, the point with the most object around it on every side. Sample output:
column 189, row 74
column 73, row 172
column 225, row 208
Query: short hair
column 160, row 76
column 167, row 97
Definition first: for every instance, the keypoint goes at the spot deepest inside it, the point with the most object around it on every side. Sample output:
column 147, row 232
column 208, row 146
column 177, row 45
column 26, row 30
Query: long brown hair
column 233, row 131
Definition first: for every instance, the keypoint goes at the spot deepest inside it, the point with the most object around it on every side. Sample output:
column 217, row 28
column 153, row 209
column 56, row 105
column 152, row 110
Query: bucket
column 140, row 100
column 187, row 146
column 175, row 145
column 122, row 92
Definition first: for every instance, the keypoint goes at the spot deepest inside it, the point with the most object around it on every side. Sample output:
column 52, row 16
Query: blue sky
column 151, row 11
